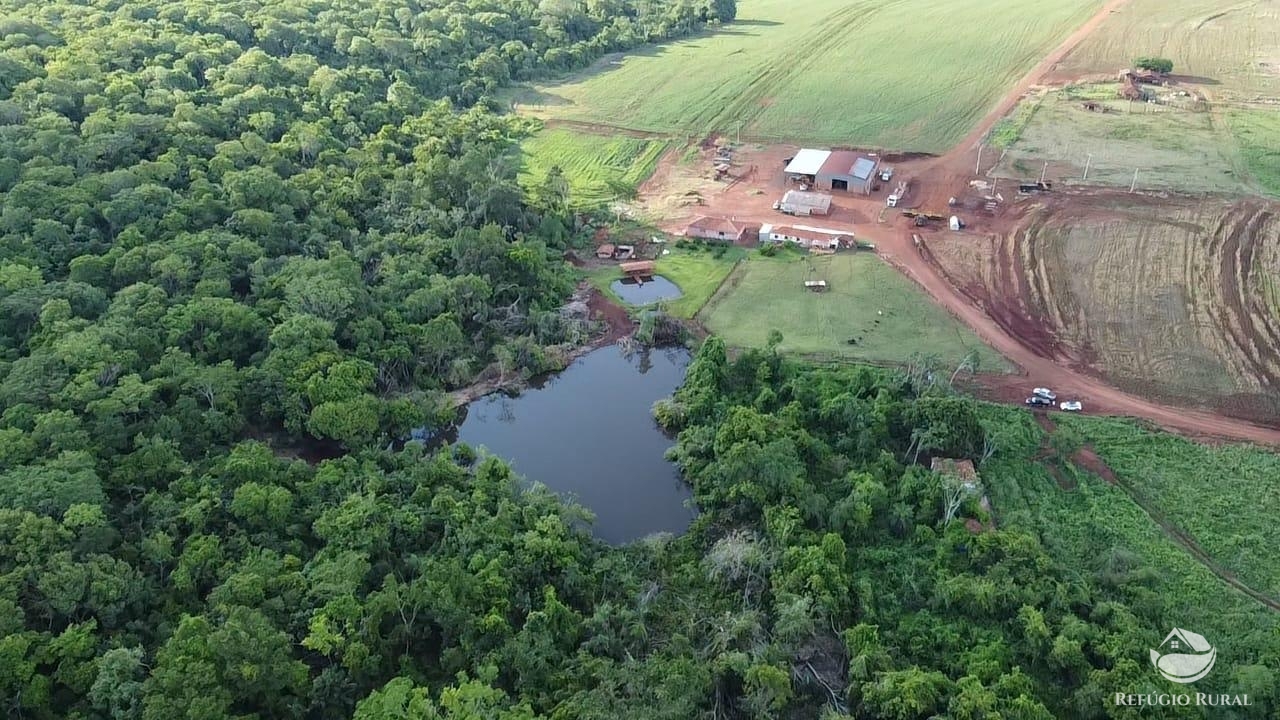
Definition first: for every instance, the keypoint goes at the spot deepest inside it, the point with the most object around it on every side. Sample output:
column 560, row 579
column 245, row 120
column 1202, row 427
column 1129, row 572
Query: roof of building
column 719, row 225
column 950, row 466
column 848, row 162
column 802, row 233
column 638, row 266
column 801, row 198
column 808, row 162
column 838, row 162
column 863, row 168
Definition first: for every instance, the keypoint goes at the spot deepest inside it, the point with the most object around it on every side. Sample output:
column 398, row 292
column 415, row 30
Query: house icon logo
column 1184, row 657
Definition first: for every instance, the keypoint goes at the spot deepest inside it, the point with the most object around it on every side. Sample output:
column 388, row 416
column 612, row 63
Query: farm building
column 722, row 229
column 798, row 202
column 639, row 270
column 833, row 170
column 849, row 171
column 804, row 237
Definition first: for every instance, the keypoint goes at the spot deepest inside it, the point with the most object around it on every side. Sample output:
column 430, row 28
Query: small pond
column 652, row 290
column 589, row 433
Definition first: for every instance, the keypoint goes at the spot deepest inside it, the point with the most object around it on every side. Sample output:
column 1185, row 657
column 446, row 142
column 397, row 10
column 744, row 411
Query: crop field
column 870, row 312
column 1171, row 147
column 1235, row 47
column 1102, row 533
column 596, row 167
column 895, row 74
column 1175, row 302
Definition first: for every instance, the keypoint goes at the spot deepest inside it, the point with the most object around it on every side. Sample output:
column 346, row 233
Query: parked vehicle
column 886, row 174
column 1071, row 406
column 893, row 201
column 1037, row 401
column 1045, row 393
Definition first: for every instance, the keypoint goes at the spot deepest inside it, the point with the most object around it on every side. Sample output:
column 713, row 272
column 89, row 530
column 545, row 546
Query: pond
column 652, row 290
column 589, row 433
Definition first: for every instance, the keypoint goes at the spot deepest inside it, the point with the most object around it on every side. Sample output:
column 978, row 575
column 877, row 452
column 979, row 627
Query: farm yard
column 866, row 73
column 870, row 312
column 1169, row 300
column 598, row 169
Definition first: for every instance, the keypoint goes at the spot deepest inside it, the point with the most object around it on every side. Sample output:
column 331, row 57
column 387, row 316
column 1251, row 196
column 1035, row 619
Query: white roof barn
column 807, row 162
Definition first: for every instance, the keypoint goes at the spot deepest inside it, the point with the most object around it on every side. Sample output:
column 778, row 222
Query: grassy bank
column 698, row 271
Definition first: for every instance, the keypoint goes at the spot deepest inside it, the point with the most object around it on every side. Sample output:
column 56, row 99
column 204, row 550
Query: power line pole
column 1086, row 167
column 977, row 168
column 1044, row 172
column 1134, row 184
column 739, row 132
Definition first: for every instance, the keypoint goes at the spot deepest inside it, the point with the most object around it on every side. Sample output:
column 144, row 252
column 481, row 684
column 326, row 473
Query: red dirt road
column 1034, row 76
column 1097, row 396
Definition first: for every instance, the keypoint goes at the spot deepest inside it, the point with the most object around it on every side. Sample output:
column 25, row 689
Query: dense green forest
column 231, row 229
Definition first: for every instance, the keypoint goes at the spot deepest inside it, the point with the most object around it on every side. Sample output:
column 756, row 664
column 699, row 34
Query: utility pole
column 1086, row 167
column 739, row 132
column 1044, row 172
column 977, row 168
column 1134, row 184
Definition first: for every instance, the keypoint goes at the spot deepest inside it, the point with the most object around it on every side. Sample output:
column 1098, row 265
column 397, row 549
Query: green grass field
column 868, row 302
column 1227, row 498
column 904, row 74
column 596, row 167
column 1098, row 530
column 1258, row 134
column 698, row 272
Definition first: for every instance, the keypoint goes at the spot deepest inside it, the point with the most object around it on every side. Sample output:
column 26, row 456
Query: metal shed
column 846, row 170
column 807, row 162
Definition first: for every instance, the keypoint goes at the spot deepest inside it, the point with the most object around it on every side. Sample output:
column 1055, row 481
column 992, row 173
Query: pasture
column 1166, row 299
column 1178, row 148
column 1228, row 52
column 895, row 74
column 870, row 312
column 599, row 169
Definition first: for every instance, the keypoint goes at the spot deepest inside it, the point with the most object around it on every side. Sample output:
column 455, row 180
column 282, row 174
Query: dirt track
column 1031, row 78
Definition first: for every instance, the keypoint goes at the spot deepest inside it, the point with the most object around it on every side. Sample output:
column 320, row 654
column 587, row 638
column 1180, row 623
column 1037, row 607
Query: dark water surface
column 589, row 433
column 650, row 291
